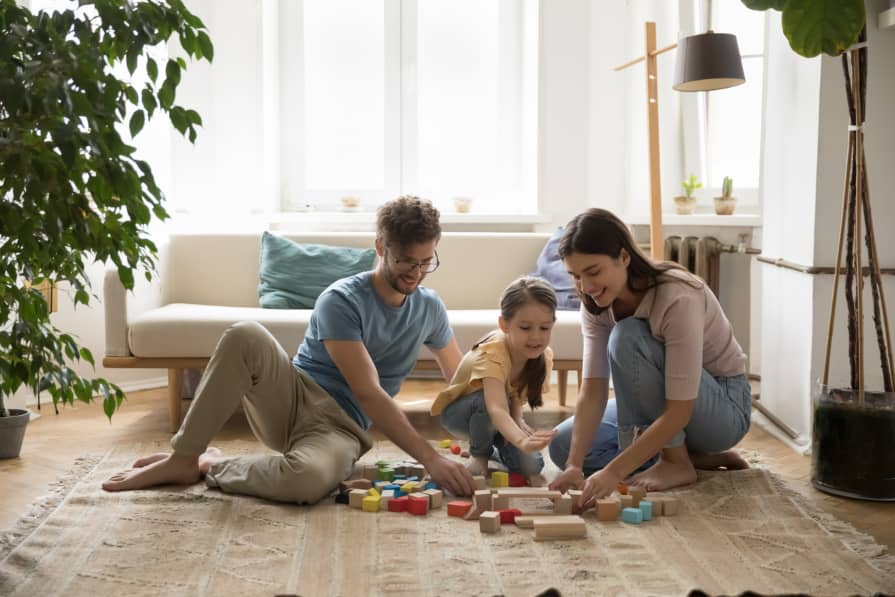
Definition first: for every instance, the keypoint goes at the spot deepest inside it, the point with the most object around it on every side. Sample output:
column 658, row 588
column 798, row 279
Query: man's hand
column 598, row 485
column 571, row 478
column 450, row 475
column 537, row 441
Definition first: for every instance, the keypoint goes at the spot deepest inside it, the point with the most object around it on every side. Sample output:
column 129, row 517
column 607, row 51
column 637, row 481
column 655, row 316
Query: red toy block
column 622, row 488
column 398, row 504
column 418, row 505
column 509, row 515
column 518, row 480
column 455, row 449
column 458, row 508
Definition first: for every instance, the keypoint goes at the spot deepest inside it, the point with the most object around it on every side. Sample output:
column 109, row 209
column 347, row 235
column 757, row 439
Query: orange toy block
column 458, row 508
column 608, row 509
column 455, row 449
column 622, row 488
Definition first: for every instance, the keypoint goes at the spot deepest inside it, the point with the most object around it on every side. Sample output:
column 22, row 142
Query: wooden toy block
column 626, row 501
column 508, row 515
column 455, row 449
column 608, row 509
column 500, row 479
column 458, row 508
column 386, row 495
column 355, row 484
column 658, row 502
column 528, row 492
column 482, row 499
column 398, row 504
column 576, row 499
column 480, row 482
column 527, row 519
column 632, row 515
column 500, row 502
column 435, row 498
column 416, row 470
column 356, row 498
column 670, row 506
column 646, row 507
column 445, row 443
column 547, row 529
column 563, row 505
column 371, row 472
column 370, row 504
column 517, row 480
column 638, row 493
column 622, row 488
column 472, row 514
column 489, row 522
column 418, row 505
column 381, row 485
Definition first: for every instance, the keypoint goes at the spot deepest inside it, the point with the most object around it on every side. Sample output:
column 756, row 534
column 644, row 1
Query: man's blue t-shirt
column 350, row 309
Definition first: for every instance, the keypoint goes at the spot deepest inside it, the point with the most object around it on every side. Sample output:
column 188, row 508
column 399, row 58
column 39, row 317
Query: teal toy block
column 632, row 515
column 646, row 508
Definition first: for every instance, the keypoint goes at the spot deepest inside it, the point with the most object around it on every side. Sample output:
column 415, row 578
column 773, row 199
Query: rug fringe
column 46, row 504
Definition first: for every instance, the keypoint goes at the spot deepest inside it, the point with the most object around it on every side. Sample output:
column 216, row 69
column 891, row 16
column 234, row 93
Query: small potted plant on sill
column 686, row 204
column 726, row 203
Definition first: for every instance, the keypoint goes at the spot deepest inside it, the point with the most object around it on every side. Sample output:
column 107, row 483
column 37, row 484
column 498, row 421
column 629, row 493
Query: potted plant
column 726, row 203
column 71, row 189
column 852, row 427
column 686, row 203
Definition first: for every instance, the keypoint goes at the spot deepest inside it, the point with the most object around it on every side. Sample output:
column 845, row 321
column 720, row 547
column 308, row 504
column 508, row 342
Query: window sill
column 744, row 220
column 366, row 220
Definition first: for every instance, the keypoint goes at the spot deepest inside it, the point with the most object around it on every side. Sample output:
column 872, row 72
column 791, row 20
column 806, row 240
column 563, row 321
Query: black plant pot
column 853, row 444
column 12, row 432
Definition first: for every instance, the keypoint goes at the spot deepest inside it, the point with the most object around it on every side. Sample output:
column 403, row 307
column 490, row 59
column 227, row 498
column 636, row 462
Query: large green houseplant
column 853, row 427
column 71, row 189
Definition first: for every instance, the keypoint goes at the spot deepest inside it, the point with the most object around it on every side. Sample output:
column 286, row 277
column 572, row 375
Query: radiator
column 701, row 256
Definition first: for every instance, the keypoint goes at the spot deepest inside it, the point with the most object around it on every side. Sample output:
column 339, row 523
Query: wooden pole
column 859, row 183
column 657, row 243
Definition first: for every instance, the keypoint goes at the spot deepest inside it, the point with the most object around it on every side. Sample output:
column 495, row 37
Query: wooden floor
column 53, row 442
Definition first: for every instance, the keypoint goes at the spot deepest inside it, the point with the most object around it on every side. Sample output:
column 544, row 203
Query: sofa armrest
column 115, row 312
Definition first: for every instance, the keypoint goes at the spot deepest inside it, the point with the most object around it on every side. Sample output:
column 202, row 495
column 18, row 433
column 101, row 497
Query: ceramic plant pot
column 12, row 432
column 684, row 205
column 724, row 206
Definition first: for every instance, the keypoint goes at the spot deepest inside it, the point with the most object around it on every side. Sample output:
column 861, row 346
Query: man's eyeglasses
column 405, row 266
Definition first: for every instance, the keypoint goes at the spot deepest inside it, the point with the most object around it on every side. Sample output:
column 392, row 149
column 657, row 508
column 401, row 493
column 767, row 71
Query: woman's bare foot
column 673, row 469
column 147, row 460
column 208, row 458
column 728, row 460
column 477, row 465
column 173, row 469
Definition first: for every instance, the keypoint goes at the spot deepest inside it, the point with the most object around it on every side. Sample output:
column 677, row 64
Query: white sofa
column 207, row 282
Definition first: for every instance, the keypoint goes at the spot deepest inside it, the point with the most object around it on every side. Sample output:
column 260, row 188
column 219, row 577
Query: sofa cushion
column 551, row 268
column 292, row 275
column 183, row 330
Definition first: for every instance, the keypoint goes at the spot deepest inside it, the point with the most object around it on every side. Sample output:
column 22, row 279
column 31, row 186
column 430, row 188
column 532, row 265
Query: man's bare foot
column 728, row 460
column 174, row 469
column 477, row 465
column 147, row 460
column 665, row 474
column 209, row 457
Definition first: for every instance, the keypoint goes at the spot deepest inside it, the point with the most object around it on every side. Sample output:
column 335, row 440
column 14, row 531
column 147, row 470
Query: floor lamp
column 705, row 62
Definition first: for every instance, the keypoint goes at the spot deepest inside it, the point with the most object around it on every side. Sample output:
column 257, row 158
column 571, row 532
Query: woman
column 678, row 372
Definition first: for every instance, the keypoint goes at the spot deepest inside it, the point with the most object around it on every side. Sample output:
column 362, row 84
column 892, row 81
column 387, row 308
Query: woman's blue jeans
column 720, row 416
column 468, row 417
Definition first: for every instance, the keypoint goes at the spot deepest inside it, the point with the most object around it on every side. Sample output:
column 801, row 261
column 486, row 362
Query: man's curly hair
column 408, row 220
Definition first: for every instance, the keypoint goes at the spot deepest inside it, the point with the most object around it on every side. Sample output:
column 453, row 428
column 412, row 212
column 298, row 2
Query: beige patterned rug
column 738, row 531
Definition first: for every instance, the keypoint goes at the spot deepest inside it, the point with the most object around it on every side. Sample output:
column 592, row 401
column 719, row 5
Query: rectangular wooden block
column 500, row 502
column 626, row 501
column 480, row 482
column 563, row 505
column 472, row 514
column 608, row 509
column 547, row 529
column 527, row 521
column 670, row 506
column 482, row 499
column 384, row 497
column 458, row 508
column 355, row 484
column 435, row 498
column 489, row 522
column 356, row 498
column 529, row 492
column 638, row 494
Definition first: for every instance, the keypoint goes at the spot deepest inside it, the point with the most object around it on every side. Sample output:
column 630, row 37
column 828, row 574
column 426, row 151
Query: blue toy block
column 399, row 493
column 431, row 485
column 646, row 507
column 392, row 486
column 632, row 515
column 414, row 478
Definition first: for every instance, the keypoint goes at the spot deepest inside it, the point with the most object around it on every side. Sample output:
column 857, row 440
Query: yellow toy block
column 371, row 504
column 409, row 487
column 500, row 479
column 372, row 492
column 445, row 443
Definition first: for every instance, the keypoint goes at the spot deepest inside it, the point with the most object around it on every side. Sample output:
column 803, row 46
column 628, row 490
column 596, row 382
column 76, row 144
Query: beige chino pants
column 318, row 443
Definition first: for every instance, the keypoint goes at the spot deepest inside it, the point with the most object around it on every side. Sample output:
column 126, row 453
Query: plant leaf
column 828, row 26
column 765, row 4
column 138, row 119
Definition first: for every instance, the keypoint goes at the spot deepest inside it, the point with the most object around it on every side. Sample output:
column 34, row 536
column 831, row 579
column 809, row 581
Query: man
column 362, row 341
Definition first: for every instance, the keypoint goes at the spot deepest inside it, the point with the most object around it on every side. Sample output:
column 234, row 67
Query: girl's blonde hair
column 523, row 291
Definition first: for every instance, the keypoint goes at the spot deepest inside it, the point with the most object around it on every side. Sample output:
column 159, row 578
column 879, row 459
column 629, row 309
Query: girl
column 678, row 371
column 484, row 399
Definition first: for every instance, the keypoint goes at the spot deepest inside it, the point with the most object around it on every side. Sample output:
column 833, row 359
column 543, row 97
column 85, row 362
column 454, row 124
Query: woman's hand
column 524, row 426
column 598, row 485
column 536, row 441
column 571, row 478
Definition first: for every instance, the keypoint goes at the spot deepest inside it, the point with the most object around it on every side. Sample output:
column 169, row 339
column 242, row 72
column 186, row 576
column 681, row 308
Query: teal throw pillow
column 293, row 275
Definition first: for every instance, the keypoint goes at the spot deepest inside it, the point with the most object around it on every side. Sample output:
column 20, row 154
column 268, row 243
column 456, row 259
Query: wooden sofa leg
column 562, row 377
column 578, row 371
column 175, row 390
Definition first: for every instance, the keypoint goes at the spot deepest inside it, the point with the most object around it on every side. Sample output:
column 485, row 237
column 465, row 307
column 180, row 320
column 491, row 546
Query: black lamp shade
column 708, row 61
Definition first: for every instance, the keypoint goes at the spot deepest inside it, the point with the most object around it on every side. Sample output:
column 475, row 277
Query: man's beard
column 395, row 281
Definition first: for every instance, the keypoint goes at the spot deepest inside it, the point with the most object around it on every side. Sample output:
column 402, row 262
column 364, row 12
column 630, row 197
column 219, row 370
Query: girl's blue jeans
column 467, row 417
column 719, row 420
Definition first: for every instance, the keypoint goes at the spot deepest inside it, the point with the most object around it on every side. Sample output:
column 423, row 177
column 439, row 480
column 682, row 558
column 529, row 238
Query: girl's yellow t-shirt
column 489, row 359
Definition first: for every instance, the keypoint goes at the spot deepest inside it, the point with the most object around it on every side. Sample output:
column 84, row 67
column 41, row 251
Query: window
column 434, row 98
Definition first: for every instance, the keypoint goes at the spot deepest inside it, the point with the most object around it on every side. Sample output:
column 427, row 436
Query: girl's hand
column 537, row 441
column 571, row 478
column 598, row 485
